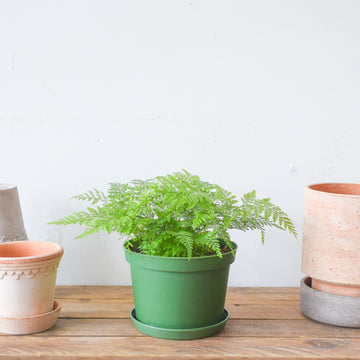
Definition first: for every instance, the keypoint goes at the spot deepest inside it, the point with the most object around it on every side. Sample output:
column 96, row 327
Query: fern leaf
column 175, row 215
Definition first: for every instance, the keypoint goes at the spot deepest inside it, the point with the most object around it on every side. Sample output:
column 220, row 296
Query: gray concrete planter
column 329, row 308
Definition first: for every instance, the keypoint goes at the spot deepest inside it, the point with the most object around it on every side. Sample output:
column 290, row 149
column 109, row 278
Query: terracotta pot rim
column 318, row 189
column 57, row 252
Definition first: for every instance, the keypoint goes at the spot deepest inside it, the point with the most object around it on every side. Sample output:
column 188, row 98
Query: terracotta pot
column 331, row 238
column 11, row 220
column 27, row 280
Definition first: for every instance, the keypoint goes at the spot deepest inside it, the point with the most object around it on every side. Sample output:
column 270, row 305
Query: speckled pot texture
column 27, row 282
column 331, row 238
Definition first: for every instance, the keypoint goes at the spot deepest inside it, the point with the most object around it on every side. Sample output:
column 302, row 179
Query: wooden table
column 265, row 323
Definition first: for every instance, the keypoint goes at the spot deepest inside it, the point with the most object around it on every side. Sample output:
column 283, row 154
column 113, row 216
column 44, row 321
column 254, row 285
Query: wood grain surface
column 266, row 323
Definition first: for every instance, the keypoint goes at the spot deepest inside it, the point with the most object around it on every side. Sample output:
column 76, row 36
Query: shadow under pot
column 331, row 238
column 28, row 272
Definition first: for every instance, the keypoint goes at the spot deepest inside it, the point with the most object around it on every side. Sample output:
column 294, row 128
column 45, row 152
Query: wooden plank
column 97, row 308
column 266, row 293
column 93, row 327
column 125, row 292
column 35, row 347
column 266, row 323
column 269, row 311
column 267, row 289
column 304, row 328
column 264, row 298
column 234, row 328
column 113, row 308
column 93, row 292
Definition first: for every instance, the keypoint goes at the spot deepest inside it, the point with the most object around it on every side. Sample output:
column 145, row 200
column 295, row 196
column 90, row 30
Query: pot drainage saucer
column 329, row 308
column 30, row 324
column 180, row 334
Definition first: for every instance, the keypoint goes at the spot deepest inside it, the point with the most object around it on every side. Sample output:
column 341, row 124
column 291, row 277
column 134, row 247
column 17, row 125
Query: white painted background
column 248, row 94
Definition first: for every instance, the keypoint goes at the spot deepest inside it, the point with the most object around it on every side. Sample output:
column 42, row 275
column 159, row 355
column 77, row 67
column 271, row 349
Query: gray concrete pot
column 329, row 308
column 11, row 220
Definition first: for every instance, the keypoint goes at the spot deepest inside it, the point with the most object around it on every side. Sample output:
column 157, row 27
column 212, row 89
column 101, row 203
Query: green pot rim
column 180, row 264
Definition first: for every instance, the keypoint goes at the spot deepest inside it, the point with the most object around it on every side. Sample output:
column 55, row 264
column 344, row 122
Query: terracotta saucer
column 30, row 324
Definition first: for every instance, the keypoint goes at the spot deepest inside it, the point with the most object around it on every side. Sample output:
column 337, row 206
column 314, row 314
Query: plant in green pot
column 178, row 246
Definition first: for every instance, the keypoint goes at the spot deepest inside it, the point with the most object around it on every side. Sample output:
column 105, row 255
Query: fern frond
column 210, row 241
column 87, row 232
column 186, row 239
column 94, row 196
column 176, row 215
column 77, row 218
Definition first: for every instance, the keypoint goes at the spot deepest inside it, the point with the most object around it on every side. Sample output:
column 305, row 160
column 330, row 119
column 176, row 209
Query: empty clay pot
column 11, row 220
column 331, row 238
column 27, row 277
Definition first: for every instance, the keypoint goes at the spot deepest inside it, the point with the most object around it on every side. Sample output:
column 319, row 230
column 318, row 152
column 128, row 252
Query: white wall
column 248, row 94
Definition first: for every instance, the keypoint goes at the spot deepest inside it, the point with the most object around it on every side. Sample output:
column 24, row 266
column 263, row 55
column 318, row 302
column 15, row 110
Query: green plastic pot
column 179, row 298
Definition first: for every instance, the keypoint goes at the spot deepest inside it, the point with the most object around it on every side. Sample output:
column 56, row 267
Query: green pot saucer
column 180, row 334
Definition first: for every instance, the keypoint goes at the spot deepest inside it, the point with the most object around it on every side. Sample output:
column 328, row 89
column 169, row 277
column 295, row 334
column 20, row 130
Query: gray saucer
column 328, row 308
